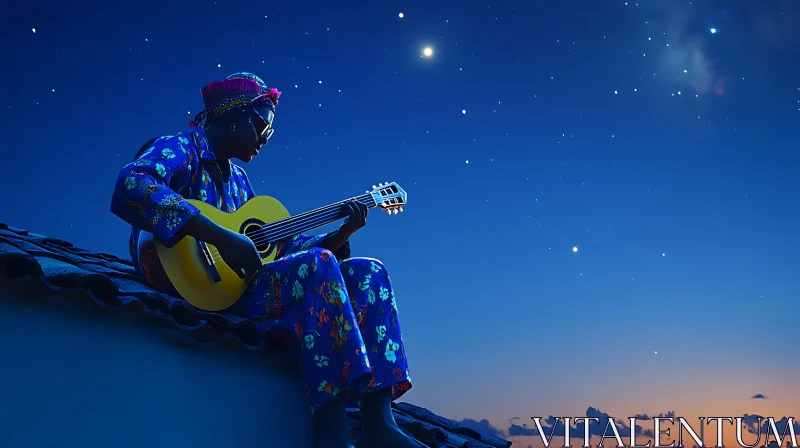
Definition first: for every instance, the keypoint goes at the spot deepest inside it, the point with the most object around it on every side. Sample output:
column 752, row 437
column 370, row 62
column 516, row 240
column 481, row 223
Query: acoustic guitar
column 194, row 270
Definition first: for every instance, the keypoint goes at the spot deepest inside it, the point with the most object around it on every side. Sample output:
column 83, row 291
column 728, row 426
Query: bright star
column 713, row 30
column 575, row 249
column 400, row 15
column 427, row 52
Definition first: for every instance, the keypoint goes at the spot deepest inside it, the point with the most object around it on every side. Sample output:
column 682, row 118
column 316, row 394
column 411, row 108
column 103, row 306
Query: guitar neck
column 286, row 228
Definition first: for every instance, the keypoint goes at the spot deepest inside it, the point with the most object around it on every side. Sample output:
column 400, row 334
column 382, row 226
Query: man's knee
column 317, row 253
column 364, row 264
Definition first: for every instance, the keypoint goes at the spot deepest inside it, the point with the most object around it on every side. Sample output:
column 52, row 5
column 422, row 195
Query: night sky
column 603, row 196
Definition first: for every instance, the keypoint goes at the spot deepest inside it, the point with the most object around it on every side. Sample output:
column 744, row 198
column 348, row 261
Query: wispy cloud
column 751, row 423
column 681, row 34
column 482, row 426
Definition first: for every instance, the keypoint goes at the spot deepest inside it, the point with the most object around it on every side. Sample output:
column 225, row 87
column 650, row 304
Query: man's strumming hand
column 237, row 251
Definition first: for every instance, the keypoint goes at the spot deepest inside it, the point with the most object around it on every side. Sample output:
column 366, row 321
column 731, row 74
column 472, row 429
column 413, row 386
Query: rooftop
column 103, row 282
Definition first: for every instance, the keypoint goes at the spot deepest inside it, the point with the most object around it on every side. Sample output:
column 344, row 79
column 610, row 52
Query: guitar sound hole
column 253, row 233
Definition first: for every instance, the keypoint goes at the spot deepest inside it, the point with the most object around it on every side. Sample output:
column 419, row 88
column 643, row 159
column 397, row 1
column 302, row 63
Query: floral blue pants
column 343, row 320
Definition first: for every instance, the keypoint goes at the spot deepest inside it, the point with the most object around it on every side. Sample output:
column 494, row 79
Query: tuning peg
column 389, row 211
column 401, row 209
column 380, row 185
column 395, row 211
column 374, row 187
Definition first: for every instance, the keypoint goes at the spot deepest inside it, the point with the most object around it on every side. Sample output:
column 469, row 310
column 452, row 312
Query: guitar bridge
column 210, row 264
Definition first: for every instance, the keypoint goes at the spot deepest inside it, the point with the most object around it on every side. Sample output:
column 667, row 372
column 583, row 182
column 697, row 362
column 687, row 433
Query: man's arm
column 338, row 242
column 203, row 229
column 335, row 242
column 145, row 196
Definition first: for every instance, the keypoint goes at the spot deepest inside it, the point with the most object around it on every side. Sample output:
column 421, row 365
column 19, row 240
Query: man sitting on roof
column 342, row 316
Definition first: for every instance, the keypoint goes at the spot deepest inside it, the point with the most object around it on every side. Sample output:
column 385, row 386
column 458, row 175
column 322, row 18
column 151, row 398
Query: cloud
column 483, row 426
column 751, row 422
column 680, row 33
column 759, row 397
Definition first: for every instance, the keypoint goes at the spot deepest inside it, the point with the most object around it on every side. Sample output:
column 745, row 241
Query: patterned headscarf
column 238, row 89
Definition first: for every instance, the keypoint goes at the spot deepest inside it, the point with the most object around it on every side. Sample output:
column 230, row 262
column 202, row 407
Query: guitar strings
column 293, row 224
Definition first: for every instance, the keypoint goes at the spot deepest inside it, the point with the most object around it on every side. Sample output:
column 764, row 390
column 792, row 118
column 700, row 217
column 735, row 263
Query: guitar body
column 184, row 268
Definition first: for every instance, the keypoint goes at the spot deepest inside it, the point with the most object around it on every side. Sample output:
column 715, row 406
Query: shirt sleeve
column 145, row 193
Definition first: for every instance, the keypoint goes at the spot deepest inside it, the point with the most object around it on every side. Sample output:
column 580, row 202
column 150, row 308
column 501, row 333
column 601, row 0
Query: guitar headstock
column 389, row 196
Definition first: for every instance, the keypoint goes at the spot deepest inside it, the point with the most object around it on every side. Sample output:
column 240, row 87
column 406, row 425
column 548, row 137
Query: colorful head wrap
column 238, row 89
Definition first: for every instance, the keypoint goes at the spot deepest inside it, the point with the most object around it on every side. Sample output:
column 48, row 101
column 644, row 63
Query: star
column 713, row 30
column 427, row 52
column 400, row 15
column 575, row 249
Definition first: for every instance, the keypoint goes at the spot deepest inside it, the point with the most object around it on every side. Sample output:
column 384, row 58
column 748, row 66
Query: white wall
column 74, row 378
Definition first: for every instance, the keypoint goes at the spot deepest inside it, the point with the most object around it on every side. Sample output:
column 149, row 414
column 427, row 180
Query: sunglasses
column 265, row 126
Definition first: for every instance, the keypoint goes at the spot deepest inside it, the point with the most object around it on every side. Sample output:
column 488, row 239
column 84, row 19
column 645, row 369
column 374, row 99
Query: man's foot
column 387, row 437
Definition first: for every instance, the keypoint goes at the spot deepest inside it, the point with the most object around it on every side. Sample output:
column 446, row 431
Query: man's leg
column 303, row 295
column 371, row 293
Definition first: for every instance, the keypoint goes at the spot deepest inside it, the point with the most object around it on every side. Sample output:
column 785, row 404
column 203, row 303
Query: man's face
column 253, row 131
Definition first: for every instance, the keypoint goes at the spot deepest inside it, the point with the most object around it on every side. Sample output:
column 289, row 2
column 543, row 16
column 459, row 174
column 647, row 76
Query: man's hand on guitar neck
column 356, row 219
column 236, row 250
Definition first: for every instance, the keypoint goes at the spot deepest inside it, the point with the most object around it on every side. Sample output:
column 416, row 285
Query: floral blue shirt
column 151, row 192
